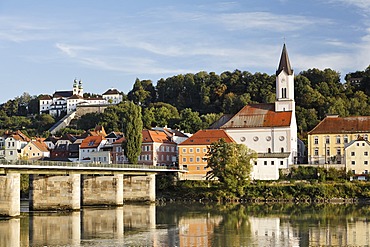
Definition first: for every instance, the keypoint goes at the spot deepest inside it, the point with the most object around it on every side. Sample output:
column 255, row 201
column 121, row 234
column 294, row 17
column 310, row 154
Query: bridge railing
column 80, row 164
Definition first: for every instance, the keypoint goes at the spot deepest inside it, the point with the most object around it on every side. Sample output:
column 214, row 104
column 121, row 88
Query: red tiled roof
column 119, row 141
column 91, row 142
column 75, row 96
column 41, row 146
column 259, row 115
column 155, row 136
column 111, row 91
column 45, row 97
column 206, row 137
column 334, row 124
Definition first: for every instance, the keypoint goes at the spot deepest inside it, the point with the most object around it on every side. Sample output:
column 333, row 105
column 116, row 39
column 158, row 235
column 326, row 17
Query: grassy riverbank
column 284, row 191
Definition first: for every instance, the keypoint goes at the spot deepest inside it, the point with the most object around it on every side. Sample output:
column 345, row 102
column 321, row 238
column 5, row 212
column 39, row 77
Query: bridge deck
column 55, row 167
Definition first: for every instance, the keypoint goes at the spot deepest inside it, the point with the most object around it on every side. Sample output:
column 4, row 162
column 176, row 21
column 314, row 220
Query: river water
column 191, row 224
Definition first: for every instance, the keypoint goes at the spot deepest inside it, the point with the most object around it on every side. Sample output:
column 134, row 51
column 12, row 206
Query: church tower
column 75, row 87
column 284, row 84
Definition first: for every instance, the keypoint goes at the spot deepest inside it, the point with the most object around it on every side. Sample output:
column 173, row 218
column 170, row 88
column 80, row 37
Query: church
column 270, row 129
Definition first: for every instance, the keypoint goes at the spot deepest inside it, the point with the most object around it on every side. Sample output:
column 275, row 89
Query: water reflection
column 193, row 225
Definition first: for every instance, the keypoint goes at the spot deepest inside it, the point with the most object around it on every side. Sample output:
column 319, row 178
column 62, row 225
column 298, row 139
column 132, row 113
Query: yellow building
column 357, row 156
column 193, row 151
column 326, row 142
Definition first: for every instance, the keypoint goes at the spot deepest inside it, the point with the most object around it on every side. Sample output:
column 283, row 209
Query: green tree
column 231, row 164
column 190, row 121
column 132, row 129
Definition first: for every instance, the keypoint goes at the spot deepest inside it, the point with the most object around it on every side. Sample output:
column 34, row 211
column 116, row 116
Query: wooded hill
column 193, row 101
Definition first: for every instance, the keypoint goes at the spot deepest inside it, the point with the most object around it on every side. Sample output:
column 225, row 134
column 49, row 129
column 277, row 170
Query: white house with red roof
column 269, row 129
column 112, row 96
column 91, row 150
column 14, row 143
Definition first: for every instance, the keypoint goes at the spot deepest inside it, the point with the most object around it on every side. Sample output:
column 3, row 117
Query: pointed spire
column 284, row 63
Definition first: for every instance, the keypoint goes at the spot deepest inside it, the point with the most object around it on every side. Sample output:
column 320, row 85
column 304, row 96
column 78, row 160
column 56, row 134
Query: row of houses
column 159, row 147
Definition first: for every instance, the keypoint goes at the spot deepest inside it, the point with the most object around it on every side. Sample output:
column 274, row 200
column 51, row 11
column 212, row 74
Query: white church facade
column 66, row 102
column 269, row 129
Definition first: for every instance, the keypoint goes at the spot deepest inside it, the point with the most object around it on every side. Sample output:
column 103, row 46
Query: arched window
column 282, row 150
column 269, row 150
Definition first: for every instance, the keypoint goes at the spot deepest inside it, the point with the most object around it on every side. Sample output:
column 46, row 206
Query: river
column 192, row 224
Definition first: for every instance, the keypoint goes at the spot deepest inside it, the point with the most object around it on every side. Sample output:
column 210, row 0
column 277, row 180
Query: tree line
column 194, row 101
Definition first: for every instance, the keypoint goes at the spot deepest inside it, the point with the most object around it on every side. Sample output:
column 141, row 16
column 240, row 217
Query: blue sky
column 45, row 45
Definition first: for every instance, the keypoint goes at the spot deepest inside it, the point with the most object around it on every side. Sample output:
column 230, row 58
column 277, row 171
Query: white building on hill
column 65, row 102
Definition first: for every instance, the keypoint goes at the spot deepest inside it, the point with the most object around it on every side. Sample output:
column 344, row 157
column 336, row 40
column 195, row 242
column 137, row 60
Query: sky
column 45, row 45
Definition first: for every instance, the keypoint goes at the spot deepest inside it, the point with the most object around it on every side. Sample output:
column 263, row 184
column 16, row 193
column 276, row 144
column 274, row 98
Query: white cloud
column 363, row 4
column 73, row 50
column 269, row 21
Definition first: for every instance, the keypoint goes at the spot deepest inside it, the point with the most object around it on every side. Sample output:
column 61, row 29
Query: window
column 338, row 151
column 366, row 153
column 353, row 162
column 190, row 150
column 265, row 163
column 191, row 160
column 272, row 163
column 269, row 150
column 183, row 159
column 316, row 140
column 365, row 137
column 366, row 163
column 282, row 150
column 184, row 150
column 198, row 159
column 281, row 162
column 353, row 171
column 328, row 152
column 338, row 140
column 255, row 163
column 327, row 139
column 353, row 153
column 198, row 150
column 198, row 168
column 366, row 172
column 316, row 151
column 204, row 150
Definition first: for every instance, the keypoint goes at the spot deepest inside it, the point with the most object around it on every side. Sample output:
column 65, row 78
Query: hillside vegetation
column 194, row 101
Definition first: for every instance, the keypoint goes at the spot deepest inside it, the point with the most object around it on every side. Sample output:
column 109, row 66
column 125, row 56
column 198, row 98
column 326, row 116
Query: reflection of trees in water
column 235, row 228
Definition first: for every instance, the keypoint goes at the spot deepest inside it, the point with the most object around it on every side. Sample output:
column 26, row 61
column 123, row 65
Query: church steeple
column 284, row 64
column 284, row 84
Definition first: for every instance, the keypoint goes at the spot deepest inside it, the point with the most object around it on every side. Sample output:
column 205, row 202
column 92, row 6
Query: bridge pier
column 139, row 188
column 102, row 190
column 55, row 192
column 10, row 195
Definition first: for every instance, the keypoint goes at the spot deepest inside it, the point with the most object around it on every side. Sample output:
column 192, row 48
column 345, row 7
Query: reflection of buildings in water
column 104, row 223
column 271, row 232
column 197, row 231
column 354, row 233
column 139, row 216
column 55, row 229
column 10, row 232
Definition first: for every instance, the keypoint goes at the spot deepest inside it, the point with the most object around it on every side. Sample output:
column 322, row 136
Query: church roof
column 64, row 94
column 335, row 124
column 259, row 115
column 284, row 63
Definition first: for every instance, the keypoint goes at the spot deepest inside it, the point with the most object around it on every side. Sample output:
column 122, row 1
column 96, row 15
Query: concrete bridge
column 68, row 186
